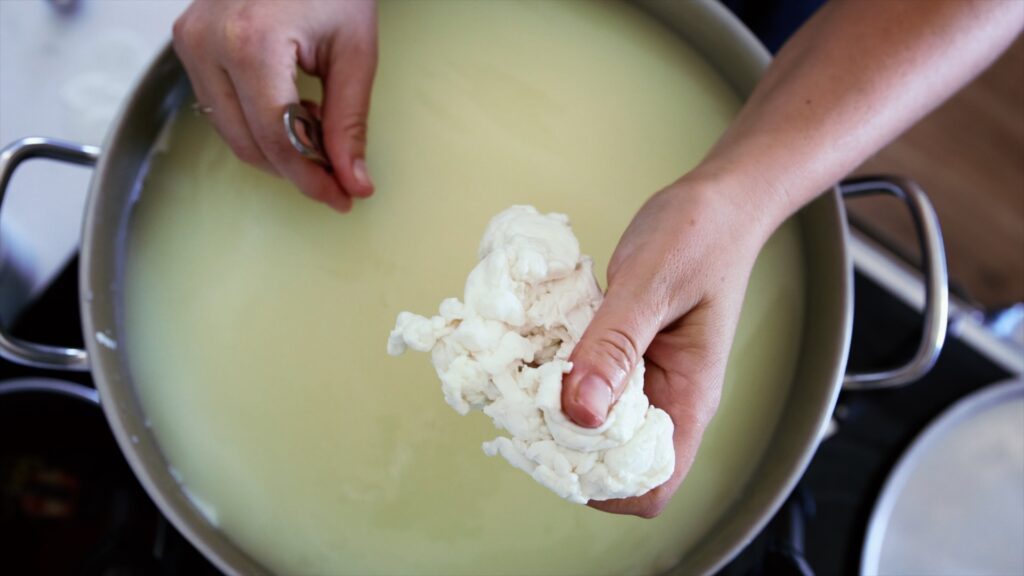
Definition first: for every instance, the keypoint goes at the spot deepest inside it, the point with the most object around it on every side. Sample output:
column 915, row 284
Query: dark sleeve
column 773, row 21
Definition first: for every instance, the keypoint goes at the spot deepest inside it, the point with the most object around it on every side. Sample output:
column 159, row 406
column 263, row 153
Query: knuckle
column 178, row 29
column 185, row 31
column 620, row 347
column 356, row 128
column 243, row 35
column 352, row 128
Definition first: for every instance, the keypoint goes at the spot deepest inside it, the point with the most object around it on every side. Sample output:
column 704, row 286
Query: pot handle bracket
column 50, row 386
column 936, row 281
column 11, row 348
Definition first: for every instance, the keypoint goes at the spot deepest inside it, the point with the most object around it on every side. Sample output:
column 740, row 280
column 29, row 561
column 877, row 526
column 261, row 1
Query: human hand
column 675, row 289
column 242, row 58
column 677, row 279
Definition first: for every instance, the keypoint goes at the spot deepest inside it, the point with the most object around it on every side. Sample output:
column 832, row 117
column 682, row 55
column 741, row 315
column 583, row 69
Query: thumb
column 346, row 106
column 610, row 349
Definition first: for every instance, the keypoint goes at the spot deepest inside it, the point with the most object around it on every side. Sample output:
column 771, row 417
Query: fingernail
column 594, row 394
column 359, row 169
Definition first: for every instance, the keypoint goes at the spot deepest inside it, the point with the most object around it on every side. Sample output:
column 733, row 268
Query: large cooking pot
column 738, row 58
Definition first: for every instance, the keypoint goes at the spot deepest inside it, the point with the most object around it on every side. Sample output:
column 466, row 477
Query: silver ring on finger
column 201, row 109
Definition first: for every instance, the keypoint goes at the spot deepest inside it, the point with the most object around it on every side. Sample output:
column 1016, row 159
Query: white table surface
column 63, row 74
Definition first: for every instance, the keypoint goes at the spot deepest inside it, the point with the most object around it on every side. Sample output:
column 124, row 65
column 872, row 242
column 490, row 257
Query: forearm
column 858, row 74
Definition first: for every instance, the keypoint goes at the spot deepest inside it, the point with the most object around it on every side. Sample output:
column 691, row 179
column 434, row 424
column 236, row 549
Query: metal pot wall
column 727, row 46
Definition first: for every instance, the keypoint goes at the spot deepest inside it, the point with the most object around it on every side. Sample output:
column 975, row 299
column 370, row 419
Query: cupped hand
column 675, row 289
column 242, row 59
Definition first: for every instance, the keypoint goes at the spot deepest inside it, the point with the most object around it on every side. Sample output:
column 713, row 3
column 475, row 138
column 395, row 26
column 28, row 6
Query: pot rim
column 724, row 36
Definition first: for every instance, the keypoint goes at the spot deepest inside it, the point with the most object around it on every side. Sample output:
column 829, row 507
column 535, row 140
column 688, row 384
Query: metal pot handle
column 51, row 386
column 11, row 348
column 936, row 299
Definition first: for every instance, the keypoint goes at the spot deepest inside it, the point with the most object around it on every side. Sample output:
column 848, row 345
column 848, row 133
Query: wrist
column 772, row 171
column 752, row 206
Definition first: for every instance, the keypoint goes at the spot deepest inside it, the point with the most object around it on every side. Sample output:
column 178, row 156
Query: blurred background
column 969, row 156
column 65, row 66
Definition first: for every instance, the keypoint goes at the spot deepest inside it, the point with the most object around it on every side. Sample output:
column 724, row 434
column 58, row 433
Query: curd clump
column 506, row 346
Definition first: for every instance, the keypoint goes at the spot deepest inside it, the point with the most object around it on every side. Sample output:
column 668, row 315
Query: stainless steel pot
column 727, row 46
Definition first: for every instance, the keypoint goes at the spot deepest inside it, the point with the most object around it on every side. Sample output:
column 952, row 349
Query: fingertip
column 360, row 192
column 362, row 183
column 582, row 416
column 340, row 203
column 621, row 506
column 316, row 184
column 647, row 506
column 588, row 401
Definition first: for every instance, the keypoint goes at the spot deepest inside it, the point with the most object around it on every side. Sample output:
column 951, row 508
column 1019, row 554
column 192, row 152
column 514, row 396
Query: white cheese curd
column 504, row 349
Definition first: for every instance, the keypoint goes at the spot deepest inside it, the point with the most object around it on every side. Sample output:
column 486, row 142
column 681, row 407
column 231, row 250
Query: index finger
column 265, row 84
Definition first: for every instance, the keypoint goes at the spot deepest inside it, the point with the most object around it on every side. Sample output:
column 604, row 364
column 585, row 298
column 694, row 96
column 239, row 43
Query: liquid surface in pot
column 256, row 320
